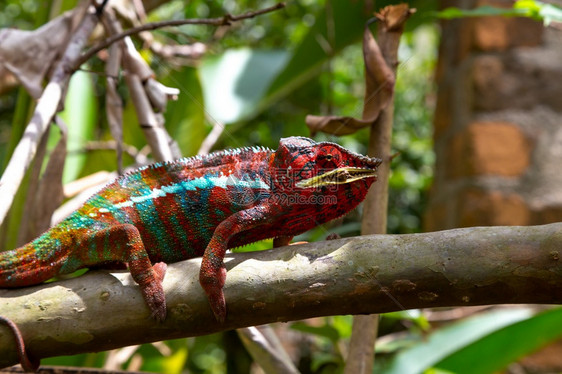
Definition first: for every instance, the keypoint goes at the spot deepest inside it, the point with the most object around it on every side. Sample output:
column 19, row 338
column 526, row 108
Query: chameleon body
column 198, row 206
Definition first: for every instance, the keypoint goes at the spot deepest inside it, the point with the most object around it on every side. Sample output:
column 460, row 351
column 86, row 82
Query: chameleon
column 198, row 206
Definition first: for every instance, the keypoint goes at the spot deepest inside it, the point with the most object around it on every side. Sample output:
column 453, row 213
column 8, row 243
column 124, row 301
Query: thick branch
column 373, row 274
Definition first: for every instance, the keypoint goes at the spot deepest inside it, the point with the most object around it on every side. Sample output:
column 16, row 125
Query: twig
column 265, row 348
column 111, row 145
column 113, row 103
column 211, row 138
column 135, row 72
column 220, row 21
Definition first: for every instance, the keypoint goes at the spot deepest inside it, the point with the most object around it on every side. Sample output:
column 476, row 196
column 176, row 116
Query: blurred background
column 477, row 128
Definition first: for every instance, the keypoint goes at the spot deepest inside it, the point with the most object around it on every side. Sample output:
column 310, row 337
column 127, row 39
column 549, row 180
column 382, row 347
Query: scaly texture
column 196, row 206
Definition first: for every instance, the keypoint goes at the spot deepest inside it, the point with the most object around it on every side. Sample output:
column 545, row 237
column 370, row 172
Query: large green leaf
column 539, row 10
column 80, row 115
column 504, row 346
column 449, row 340
column 185, row 117
column 341, row 24
column 241, row 83
column 547, row 13
column 234, row 82
column 481, row 11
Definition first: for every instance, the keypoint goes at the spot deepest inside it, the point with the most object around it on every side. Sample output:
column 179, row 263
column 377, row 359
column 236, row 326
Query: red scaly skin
column 288, row 209
column 170, row 212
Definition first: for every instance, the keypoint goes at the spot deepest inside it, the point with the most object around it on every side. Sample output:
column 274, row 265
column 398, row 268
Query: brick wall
column 498, row 123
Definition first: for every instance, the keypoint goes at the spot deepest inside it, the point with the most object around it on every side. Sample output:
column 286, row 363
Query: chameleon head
column 310, row 169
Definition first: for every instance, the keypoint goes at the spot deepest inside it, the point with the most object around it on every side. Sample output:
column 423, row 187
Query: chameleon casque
column 198, row 206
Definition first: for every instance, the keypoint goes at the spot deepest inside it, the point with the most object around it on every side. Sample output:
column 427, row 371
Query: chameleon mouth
column 337, row 176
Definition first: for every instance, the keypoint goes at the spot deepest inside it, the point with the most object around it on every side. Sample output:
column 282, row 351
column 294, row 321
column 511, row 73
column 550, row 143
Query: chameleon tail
column 28, row 363
column 33, row 263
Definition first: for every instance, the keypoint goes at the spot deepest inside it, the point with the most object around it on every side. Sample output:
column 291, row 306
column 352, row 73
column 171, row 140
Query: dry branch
column 47, row 105
column 373, row 274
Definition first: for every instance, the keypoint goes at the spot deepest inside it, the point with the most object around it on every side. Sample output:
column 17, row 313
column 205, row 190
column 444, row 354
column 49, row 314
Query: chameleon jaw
column 337, row 176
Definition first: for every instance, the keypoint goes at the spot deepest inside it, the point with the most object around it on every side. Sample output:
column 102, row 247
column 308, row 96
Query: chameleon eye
column 329, row 157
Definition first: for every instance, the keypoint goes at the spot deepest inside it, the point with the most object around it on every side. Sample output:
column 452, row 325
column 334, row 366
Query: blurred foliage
column 326, row 80
column 279, row 68
column 537, row 10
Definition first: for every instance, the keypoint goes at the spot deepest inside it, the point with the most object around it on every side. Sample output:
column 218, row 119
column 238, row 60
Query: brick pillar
column 498, row 123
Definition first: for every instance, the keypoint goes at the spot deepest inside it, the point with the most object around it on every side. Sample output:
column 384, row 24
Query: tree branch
column 373, row 274
column 47, row 105
column 219, row 21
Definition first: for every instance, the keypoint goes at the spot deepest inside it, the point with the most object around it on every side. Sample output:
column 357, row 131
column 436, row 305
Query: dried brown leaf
column 334, row 124
column 393, row 17
column 379, row 88
column 45, row 192
column 29, row 55
column 50, row 191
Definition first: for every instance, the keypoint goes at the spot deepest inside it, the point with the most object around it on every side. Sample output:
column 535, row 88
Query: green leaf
column 548, row 13
column 241, row 83
column 185, row 117
column 235, row 81
column 345, row 27
column 494, row 352
column 412, row 315
column 531, row 6
column 451, row 339
column 538, row 10
column 80, row 115
column 482, row 11
column 437, row 371
column 325, row 331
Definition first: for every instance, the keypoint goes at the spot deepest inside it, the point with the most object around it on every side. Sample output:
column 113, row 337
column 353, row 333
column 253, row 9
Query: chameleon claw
column 333, row 236
column 154, row 295
column 218, row 306
column 213, row 283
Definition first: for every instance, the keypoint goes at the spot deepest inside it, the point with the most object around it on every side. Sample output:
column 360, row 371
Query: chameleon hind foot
column 153, row 292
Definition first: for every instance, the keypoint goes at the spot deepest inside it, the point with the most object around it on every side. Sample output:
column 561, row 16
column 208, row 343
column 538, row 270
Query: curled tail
column 28, row 363
column 33, row 263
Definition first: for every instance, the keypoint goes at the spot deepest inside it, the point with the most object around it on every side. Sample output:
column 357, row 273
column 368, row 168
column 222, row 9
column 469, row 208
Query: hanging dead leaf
column 45, row 192
column 393, row 17
column 29, row 55
column 379, row 88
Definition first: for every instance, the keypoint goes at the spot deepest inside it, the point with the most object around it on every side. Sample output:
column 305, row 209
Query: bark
column 373, row 274
column 391, row 23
